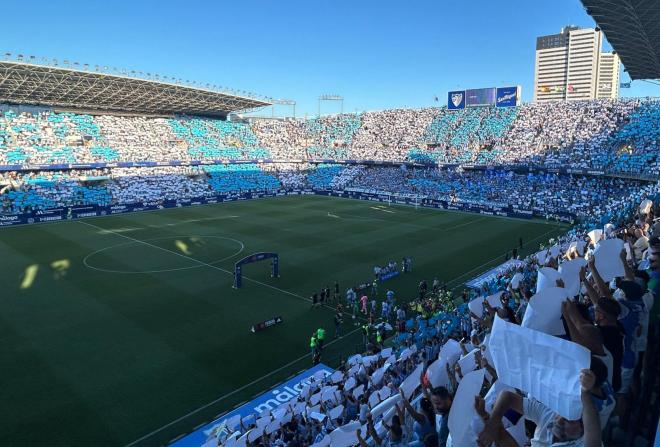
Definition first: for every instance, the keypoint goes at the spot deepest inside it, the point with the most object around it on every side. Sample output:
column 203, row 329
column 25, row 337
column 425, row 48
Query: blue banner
column 269, row 401
column 456, row 100
column 507, row 97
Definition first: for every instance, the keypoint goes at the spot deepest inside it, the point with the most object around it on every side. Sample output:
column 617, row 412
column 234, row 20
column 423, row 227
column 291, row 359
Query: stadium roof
column 633, row 29
column 44, row 85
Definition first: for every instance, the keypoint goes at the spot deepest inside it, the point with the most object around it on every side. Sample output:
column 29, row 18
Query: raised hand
column 587, row 380
column 480, row 406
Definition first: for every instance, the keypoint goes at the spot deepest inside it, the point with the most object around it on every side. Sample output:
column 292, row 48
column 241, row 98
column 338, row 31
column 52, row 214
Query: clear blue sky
column 377, row 54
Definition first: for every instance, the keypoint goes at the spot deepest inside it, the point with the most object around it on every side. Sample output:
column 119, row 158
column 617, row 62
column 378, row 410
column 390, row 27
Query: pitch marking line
column 202, row 263
column 497, row 257
column 237, row 390
column 258, row 379
column 89, row 256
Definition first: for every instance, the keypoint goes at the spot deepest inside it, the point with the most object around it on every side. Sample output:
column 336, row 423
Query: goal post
column 256, row 257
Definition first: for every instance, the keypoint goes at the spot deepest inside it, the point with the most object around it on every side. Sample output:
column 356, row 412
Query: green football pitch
column 124, row 328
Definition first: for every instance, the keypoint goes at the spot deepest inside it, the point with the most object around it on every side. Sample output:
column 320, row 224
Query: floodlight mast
column 331, row 98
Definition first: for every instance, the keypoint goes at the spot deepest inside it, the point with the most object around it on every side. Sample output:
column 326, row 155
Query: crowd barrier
column 152, row 164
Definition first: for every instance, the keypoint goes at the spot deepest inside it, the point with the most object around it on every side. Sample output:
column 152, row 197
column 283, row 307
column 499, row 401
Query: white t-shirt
column 544, row 418
column 639, row 246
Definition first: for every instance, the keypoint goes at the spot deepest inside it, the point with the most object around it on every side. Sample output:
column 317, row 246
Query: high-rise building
column 568, row 67
column 608, row 75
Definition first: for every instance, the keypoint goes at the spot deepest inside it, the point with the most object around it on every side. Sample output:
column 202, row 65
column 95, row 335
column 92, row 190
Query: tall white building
column 608, row 76
column 569, row 64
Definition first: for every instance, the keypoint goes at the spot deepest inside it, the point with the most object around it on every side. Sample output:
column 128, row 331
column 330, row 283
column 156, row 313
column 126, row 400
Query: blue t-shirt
column 629, row 323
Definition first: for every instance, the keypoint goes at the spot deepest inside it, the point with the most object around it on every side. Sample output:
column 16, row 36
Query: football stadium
column 180, row 268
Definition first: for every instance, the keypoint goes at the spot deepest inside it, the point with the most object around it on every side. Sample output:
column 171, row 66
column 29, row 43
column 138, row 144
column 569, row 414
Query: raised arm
column 505, row 401
column 410, row 409
column 590, row 418
column 361, row 440
column 591, row 292
column 483, row 362
column 629, row 273
column 582, row 331
column 600, row 283
column 504, row 438
column 372, row 430
column 452, row 378
column 463, row 348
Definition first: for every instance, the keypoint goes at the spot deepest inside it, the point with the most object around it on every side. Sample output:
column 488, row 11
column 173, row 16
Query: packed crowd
column 610, row 135
column 584, row 302
column 546, row 194
column 549, row 353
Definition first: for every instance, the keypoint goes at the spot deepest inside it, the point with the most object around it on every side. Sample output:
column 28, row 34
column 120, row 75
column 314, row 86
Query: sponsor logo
column 51, row 211
column 49, row 218
column 457, row 98
column 507, row 97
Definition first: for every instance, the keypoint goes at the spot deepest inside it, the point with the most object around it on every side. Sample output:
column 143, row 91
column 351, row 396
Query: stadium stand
column 240, row 177
column 613, row 136
column 592, row 161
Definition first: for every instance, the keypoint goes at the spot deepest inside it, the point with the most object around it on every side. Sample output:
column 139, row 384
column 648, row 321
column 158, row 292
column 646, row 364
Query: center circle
column 182, row 250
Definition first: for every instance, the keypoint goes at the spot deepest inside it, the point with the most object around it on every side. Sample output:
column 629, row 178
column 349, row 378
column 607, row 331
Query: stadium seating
column 240, row 178
column 323, row 175
column 614, row 137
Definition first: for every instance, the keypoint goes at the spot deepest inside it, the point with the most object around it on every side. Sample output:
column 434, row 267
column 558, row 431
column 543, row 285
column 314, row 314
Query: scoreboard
column 480, row 97
column 491, row 96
